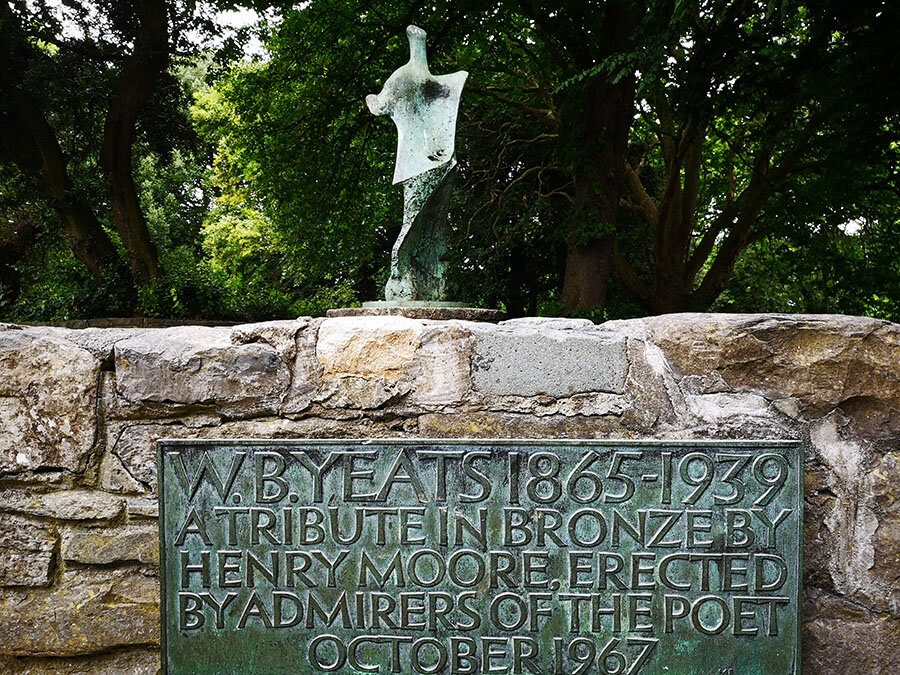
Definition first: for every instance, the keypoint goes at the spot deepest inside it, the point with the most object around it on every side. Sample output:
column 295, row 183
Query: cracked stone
column 26, row 551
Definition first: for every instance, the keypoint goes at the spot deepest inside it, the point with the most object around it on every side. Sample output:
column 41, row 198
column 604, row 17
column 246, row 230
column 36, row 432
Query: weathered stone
column 840, row 638
column 368, row 347
column 47, row 402
column 593, row 404
column 138, row 661
column 200, row 365
column 87, row 611
column 845, row 457
column 114, row 477
column 512, row 361
column 281, row 335
column 98, row 341
column 98, row 546
column 142, row 507
column 368, row 361
column 135, row 447
column 68, row 505
column 306, row 375
column 26, row 551
column 884, row 483
column 824, row 361
column 717, row 407
column 655, row 399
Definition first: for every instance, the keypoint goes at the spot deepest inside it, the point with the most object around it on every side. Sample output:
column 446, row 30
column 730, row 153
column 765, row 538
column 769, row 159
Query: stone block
column 824, row 361
column 196, row 364
column 142, row 507
column 101, row 546
column 539, row 360
column 114, row 477
column 507, row 425
column 87, row 611
column 840, row 637
column 67, row 505
column 367, row 362
column 26, row 551
column 48, row 398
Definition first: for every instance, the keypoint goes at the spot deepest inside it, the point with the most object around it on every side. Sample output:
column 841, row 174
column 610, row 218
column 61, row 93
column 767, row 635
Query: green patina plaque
column 505, row 556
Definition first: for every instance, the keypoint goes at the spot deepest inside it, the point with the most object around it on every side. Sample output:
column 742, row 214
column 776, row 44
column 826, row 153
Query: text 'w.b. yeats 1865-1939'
column 553, row 557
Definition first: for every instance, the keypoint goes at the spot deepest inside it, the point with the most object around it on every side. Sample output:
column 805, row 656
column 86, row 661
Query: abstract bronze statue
column 424, row 108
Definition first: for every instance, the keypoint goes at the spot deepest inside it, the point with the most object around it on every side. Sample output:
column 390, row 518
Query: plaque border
column 163, row 443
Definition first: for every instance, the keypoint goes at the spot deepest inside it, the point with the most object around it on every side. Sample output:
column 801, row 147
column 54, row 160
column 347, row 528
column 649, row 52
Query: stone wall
column 80, row 411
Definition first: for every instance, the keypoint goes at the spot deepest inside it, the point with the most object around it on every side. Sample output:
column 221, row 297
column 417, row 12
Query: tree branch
column 646, row 208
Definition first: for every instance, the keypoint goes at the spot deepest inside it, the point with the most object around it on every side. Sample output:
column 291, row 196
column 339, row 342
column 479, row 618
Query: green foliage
column 266, row 186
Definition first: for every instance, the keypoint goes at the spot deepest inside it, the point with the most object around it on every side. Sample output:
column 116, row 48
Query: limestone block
column 26, row 551
column 196, row 364
column 591, row 404
column 368, row 361
column 306, row 375
column 717, row 407
column 100, row 546
column 533, row 361
column 862, row 557
column 87, row 611
column 67, row 505
column 47, row 402
column 281, row 335
column 135, row 446
column 823, row 361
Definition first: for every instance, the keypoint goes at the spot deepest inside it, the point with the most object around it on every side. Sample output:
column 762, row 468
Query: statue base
column 420, row 309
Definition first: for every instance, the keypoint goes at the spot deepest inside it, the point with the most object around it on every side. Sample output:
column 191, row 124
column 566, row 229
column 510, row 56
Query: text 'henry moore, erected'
column 481, row 557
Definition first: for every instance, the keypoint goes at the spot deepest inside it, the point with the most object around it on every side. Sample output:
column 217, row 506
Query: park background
column 618, row 158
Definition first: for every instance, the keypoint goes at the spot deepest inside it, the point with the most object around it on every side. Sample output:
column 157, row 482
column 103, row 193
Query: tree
column 771, row 126
column 614, row 128
column 110, row 62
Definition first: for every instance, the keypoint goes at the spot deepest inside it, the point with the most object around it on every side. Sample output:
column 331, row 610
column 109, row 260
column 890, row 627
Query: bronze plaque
column 463, row 556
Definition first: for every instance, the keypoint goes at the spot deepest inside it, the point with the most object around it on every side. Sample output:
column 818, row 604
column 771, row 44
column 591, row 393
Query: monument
column 495, row 556
column 424, row 109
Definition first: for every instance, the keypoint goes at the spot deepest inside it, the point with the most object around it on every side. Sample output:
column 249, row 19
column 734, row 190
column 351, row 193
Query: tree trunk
column 598, row 142
column 137, row 82
column 587, row 274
